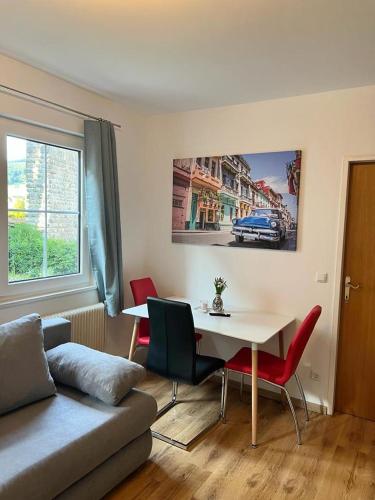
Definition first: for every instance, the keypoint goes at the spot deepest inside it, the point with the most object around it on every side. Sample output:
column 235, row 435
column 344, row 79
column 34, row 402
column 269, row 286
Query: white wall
column 129, row 141
column 326, row 127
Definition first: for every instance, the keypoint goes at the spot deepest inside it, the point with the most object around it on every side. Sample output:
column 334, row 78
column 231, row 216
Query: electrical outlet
column 314, row 375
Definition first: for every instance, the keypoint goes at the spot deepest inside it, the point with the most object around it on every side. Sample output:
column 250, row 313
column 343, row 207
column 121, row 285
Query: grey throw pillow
column 24, row 373
column 104, row 376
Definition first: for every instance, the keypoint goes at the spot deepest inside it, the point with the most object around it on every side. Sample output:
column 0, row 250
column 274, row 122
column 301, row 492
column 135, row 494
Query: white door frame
column 343, row 201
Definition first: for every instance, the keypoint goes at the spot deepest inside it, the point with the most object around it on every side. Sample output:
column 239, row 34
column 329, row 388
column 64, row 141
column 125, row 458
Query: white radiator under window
column 88, row 325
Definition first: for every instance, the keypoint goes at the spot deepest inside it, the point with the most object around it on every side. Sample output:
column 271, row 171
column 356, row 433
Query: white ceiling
column 172, row 55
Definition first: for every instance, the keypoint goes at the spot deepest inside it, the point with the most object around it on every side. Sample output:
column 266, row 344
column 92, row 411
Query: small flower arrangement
column 220, row 285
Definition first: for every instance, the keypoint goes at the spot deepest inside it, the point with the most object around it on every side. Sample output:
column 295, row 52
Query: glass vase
column 217, row 304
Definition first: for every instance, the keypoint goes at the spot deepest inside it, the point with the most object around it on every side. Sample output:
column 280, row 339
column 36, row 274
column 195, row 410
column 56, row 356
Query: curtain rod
column 52, row 103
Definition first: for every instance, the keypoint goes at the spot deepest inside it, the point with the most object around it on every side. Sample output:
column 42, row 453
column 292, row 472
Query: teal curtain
column 103, row 213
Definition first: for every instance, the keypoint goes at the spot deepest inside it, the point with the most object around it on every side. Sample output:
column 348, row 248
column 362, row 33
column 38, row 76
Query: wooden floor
column 336, row 460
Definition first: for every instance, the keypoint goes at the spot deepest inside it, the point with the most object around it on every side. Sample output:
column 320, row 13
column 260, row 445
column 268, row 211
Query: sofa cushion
column 48, row 446
column 24, row 373
column 106, row 377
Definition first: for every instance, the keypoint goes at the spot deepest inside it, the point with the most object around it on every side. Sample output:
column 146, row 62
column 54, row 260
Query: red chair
column 275, row 370
column 141, row 289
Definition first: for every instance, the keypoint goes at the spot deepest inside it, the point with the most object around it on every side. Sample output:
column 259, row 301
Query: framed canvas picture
column 247, row 201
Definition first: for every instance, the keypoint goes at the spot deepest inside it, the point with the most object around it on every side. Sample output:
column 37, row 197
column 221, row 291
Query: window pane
column 25, row 246
column 43, row 184
column 62, row 179
column 26, row 174
column 62, row 244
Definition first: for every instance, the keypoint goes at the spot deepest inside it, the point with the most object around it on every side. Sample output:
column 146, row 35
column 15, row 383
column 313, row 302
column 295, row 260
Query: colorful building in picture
column 272, row 198
column 260, row 197
column 293, row 172
column 209, row 192
column 196, row 183
column 181, row 192
column 205, row 183
column 246, row 189
column 230, row 168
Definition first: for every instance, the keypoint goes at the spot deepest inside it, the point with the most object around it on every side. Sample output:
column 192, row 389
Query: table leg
column 133, row 342
column 281, row 344
column 254, row 394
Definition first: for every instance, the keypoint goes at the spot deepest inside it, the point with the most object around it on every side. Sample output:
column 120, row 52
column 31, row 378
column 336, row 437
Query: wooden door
column 355, row 385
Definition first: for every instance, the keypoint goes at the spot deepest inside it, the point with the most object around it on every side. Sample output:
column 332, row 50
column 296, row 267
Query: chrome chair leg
column 173, row 402
column 283, row 388
column 170, row 403
column 222, row 400
column 293, row 415
column 174, row 391
column 302, row 395
column 241, row 386
column 225, row 395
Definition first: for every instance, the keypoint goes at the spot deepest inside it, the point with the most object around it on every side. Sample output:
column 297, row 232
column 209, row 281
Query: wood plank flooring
column 335, row 461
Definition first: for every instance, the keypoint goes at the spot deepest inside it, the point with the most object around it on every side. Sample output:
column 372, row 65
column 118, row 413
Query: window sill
column 9, row 302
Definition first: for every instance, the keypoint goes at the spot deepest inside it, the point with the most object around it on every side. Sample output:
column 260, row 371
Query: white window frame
column 49, row 285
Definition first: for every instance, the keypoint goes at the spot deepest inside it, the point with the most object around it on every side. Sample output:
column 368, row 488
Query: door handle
column 349, row 285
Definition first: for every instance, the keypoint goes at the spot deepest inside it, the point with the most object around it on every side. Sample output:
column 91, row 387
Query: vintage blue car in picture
column 263, row 224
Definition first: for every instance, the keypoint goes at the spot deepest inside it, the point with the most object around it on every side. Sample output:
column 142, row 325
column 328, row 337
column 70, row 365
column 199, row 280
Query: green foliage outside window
column 61, row 257
column 26, row 254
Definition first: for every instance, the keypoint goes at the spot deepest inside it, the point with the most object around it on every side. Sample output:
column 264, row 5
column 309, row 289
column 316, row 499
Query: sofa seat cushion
column 49, row 445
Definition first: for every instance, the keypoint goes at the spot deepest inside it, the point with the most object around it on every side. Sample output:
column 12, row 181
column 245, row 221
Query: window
column 177, row 203
column 44, row 245
column 213, row 168
column 43, row 210
column 206, row 162
column 267, row 212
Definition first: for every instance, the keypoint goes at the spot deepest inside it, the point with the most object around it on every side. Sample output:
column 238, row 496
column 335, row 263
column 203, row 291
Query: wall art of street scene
column 248, row 201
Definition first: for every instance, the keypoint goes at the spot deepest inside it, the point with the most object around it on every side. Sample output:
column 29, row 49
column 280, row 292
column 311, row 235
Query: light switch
column 321, row 277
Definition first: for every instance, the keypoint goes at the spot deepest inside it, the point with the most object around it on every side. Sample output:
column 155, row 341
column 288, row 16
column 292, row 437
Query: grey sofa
column 72, row 446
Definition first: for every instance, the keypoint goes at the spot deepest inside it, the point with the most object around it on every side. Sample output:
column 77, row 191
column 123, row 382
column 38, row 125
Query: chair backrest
column 141, row 289
column 172, row 349
column 299, row 341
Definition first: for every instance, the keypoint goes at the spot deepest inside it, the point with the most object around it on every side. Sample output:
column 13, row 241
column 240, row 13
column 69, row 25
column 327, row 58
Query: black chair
column 172, row 354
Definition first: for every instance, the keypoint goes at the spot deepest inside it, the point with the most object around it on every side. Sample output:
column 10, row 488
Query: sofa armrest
column 56, row 331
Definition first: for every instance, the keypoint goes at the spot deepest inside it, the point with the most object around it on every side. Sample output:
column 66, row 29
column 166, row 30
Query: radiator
column 88, row 325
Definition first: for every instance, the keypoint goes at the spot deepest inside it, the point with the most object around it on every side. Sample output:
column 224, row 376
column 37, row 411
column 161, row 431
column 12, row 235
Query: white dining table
column 252, row 327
